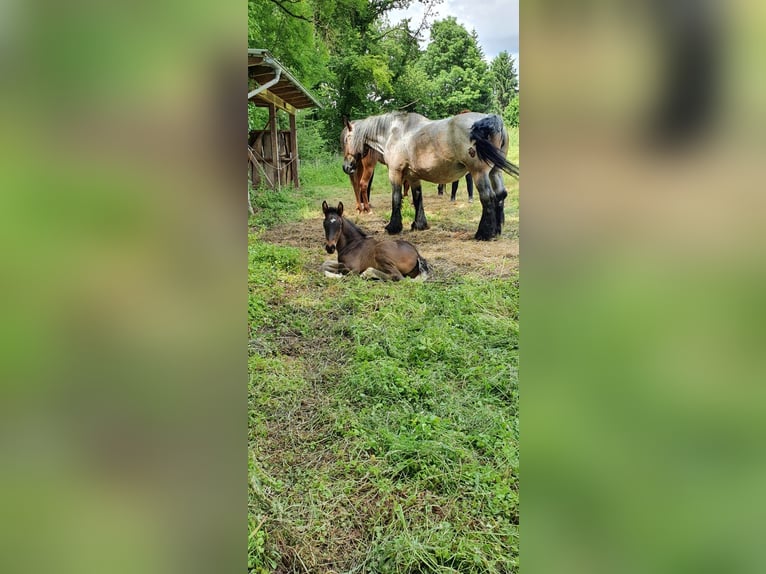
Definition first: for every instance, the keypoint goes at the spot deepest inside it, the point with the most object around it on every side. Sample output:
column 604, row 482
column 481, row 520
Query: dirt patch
column 448, row 245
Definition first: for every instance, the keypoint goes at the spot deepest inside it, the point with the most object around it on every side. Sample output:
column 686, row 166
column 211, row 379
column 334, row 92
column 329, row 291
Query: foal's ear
column 340, row 208
column 347, row 123
column 325, row 207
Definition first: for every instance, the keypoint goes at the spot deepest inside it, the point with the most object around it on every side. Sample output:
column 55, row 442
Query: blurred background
column 123, row 358
column 642, row 411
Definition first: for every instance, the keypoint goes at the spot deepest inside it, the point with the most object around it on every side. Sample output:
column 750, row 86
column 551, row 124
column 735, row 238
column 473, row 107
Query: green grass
column 383, row 424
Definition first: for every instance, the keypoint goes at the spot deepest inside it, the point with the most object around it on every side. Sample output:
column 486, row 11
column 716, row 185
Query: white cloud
column 496, row 21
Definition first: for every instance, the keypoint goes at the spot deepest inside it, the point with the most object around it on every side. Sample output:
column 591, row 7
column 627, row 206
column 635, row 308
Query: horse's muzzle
column 349, row 167
column 330, row 248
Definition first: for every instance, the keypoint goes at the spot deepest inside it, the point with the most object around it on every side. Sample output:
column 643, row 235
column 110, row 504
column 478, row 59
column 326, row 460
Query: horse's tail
column 481, row 134
column 424, row 268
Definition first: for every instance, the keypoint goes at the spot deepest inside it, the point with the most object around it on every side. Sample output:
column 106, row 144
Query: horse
column 363, row 172
column 360, row 253
column 440, row 151
column 468, row 183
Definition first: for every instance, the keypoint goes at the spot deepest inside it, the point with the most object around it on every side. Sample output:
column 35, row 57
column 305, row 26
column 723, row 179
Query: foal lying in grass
column 359, row 253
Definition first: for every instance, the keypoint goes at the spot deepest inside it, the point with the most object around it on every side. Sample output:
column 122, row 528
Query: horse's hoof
column 393, row 229
column 483, row 236
column 416, row 227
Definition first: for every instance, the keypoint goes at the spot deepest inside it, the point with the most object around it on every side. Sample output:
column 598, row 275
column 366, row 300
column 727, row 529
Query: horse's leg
column 454, row 189
column 372, row 273
column 420, row 222
column 488, row 224
column 366, row 171
column 498, row 188
column 406, row 188
column 334, row 269
column 354, row 177
column 369, row 188
column 440, row 189
column 469, row 184
column 395, row 225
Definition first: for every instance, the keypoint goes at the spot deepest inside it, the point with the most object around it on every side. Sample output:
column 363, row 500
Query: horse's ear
column 340, row 208
column 325, row 207
column 347, row 123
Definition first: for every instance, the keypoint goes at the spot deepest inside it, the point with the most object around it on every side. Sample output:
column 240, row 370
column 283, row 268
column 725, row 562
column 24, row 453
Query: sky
column 495, row 21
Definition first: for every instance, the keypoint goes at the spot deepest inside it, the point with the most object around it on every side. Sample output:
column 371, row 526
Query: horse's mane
column 373, row 131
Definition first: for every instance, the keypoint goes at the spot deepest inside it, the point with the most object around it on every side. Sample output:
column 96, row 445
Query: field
column 383, row 424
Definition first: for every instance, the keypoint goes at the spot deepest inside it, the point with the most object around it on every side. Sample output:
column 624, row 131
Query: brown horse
column 363, row 172
column 360, row 253
column 440, row 151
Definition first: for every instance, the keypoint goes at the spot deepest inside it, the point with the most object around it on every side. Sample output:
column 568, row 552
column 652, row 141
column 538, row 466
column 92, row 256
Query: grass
column 383, row 424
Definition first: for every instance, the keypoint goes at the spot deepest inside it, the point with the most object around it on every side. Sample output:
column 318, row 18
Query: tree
column 505, row 81
column 511, row 112
column 289, row 36
column 458, row 76
column 346, row 52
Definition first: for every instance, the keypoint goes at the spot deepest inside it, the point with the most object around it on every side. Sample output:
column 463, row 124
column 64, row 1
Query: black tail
column 481, row 132
column 424, row 267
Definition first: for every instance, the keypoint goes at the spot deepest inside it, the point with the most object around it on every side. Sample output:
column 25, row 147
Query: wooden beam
column 274, row 136
column 294, row 146
column 275, row 100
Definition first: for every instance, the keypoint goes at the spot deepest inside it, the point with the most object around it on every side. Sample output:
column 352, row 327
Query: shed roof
column 262, row 67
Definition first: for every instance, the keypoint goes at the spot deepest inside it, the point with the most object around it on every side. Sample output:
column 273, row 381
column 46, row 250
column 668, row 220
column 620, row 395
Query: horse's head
column 350, row 159
column 333, row 225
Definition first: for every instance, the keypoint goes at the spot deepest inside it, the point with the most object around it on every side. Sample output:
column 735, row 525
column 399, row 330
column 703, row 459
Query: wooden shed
column 273, row 154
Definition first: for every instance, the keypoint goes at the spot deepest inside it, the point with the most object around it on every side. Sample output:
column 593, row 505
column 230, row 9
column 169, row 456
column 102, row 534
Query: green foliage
column 292, row 41
column 323, row 173
column 273, row 206
column 505, row 81
column 458, row 77
column 311, row 142
column 359, row 64
column 511, row 112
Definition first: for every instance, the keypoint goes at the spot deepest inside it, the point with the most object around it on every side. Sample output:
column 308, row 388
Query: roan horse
column 360, row 253
column 440, row 151
column 362, row 174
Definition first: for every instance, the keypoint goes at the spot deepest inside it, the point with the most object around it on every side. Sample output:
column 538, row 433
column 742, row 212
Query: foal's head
column 350, row 159
column 333, row 225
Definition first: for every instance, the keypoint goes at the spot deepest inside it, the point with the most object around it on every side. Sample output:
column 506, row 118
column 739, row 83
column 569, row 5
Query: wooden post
column 274, row 137
column 294, row 149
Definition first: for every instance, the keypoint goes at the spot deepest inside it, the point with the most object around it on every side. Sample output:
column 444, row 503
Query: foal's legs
column 498, row 187
column 334, row 269
column 395, row 225
column 454, row 189
column 420, row 222
column 372, row 273
column 488, row 226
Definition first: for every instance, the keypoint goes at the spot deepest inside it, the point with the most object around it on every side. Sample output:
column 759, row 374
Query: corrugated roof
column 261, row 67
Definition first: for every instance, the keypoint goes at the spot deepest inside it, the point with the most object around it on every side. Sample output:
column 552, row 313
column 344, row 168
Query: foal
column 359, row 253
